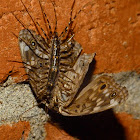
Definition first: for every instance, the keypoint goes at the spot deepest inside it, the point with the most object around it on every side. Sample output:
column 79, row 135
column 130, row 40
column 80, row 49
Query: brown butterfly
column 56, row 69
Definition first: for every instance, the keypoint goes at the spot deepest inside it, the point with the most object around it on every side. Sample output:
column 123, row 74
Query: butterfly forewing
column 74, row 80
column 35, row 61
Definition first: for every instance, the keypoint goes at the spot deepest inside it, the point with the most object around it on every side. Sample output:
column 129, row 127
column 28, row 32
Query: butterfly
column 56, row 69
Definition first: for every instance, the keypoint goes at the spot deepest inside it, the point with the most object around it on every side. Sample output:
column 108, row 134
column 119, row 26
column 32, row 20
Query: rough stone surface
column 131, row 81
column 19, row 104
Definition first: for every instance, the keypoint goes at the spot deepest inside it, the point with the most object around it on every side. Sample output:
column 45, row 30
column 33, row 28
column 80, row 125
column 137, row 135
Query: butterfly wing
column 66, row 92
column 34, row 52
column 100, row 94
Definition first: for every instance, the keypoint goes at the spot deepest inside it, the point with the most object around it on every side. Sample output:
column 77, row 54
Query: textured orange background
column 108, row 27
column 15, row 131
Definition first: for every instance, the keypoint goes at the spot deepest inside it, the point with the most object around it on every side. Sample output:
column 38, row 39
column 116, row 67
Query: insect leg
column 63, row 55
column 62, row 75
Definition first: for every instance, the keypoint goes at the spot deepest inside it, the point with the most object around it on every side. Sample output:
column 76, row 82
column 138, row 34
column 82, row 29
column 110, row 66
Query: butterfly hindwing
column 100, row 94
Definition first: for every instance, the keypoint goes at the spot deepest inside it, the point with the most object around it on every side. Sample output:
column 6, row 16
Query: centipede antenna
column 23, row 25
column 55, row 16
column 30, row 17
column 72, row 20
column 48, row 25
column 42, row 11
column 89, row 3
column 43, row 31
column 29, row 32
column 72, row 10
column 15, row 35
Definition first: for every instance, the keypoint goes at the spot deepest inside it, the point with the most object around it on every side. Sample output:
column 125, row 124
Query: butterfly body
column 56, row 69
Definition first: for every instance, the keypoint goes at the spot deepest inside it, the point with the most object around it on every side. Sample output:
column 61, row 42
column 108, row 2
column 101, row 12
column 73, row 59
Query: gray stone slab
column 18, row 99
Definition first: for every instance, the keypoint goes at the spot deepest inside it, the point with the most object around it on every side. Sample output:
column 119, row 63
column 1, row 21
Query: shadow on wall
column 99, row 126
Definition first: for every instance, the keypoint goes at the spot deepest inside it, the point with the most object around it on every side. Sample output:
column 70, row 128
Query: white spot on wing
column 45, row 56
column 28, row 65
column 32, row 58
column 98, row 100
column 26, row 48
column 38, row 52
column 22, row 45
column 99, row 103
column 107, row 94
column 93, row 99
column 97, row 108
column 114, row 104
column 91, row 96
column 112, row 101
column 105, row 91
column 32, row 62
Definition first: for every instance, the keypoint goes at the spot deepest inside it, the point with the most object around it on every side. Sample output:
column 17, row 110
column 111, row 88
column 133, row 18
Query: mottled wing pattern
column 73, row 80
column 100, row 94
column 36, row 43
column 35, row 52
column 36, row 62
